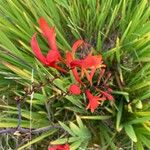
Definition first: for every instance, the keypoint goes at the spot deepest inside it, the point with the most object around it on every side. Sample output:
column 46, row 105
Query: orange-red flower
column 107, row 94
column 70, row 56
column 74, row 89
column 60, row 147
column 93, row 101
column 53, row 56
column 90, row 63
column 86, row 66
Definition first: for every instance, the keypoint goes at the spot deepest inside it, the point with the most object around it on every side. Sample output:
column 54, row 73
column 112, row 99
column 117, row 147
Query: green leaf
column 75, row 129
column 12, row 123
column 145, row 140
column 75, row 145
column 8, row 44
column 65, row 140
column 67, row 128
column 20, row 72
column 119, row 115
column 8, row 107
column 79, row 121
column 143, row 113
column 75, row 101
column 125, row 94
column 39, row 138
column 95, row 117
column 130, row 132
column 139, row 120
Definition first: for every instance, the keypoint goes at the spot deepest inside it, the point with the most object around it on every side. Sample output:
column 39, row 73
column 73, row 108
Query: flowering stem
column 26, row 130
column 19, row 113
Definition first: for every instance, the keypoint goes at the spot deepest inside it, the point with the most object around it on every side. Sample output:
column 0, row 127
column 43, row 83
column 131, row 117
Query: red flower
column 70, row 56
column 48, row 32
column 107, row 94
column 74, row 89
column 89, row 63
column 53, row 56
column 93, row 101
column 60, row 147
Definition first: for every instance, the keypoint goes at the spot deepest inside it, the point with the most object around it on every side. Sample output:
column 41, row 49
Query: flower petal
column 76, row 63
column 60, row 147
column 92, row 61
column 69, row 58
column 48, row 32
column 88, row 62
column 93, row 101
column 59, row 68
column 74, row 89
column 107, row 95
column 92, row 73
column 75, row 46
column 76, row 76
column 37, row 51
column 90, row 76
column 52, row 56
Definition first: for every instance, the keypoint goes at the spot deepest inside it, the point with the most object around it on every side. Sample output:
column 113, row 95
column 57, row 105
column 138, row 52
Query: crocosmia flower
column 88, row 65
column 93, row 101
column 74, row 89
column 70, row 56
column 53, row 56
column 60, row 147
column 107, row 94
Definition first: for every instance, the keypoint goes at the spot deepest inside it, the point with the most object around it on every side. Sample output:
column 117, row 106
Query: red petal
column 74, row 89
column 52, row 56
column 76, row 45
column 68, row 58
column 76, row 76
column 93, row 101
column 67, row 147
column 88, row 62
column 53, row 148
column 107, row 95
column 76, row 63
column 92, row 73
column 59, row 68
column 60, row 147
column 48, row 32
column 36, row 49
column 92, row 61
column 90, row 76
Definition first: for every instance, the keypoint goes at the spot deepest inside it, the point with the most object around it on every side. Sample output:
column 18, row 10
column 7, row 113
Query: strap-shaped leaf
column 130, row 132
column 66, row 128
column 39, row 138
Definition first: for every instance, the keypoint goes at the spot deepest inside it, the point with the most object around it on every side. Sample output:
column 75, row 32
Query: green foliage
column 39, row 138
column 80, row 135
column 119, row 30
